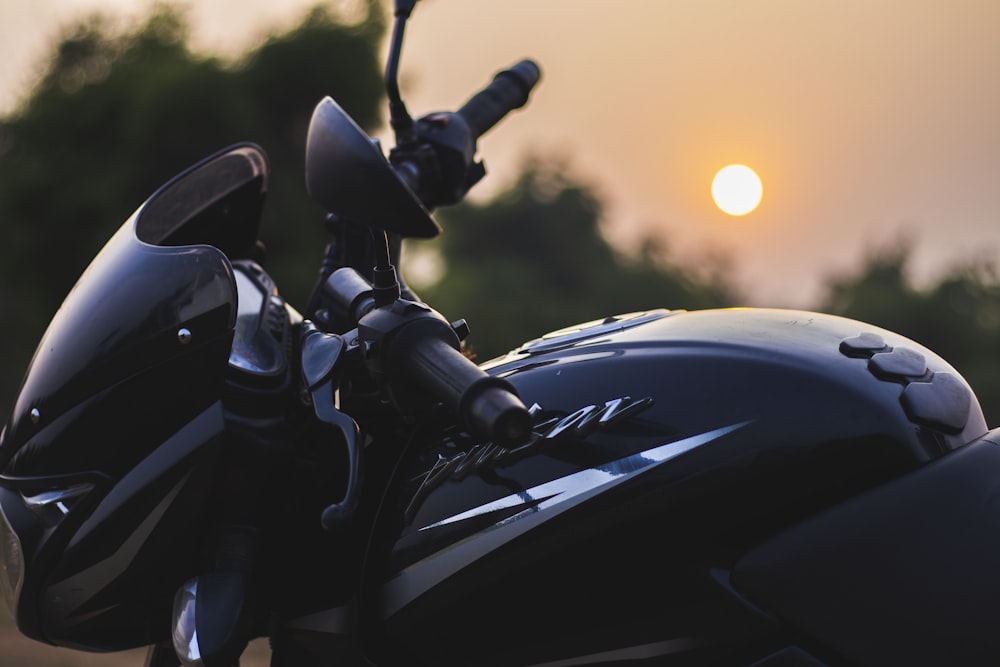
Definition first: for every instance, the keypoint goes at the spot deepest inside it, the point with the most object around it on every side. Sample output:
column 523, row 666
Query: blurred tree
column 117, row 113
column 534, row 260
column 958, row 317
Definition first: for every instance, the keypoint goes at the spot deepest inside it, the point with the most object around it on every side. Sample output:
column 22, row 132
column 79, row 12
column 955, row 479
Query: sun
column 737, row 189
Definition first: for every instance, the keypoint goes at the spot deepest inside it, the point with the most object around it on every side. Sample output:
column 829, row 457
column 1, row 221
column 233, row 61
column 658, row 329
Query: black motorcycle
column 192, row 463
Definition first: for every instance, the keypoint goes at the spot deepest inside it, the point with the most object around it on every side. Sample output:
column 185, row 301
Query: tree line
column 117, row 112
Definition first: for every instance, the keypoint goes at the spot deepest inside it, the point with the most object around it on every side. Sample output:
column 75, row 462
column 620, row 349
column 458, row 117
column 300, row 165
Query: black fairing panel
column 744, row 422
column 104, row 576
column 107, row 462
column 906, row 574
column 121, row 319
column 166, row 269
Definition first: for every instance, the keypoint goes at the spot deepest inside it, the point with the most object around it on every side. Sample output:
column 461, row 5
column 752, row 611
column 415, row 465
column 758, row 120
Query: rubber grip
column 509, row 90
column 487, row 405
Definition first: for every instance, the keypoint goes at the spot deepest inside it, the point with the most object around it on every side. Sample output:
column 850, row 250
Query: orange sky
column 864, row 120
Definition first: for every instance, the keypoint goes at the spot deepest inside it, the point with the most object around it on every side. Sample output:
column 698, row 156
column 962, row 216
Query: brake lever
column 321, row 353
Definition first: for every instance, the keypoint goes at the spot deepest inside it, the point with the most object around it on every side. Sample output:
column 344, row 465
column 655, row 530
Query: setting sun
column 737, row 189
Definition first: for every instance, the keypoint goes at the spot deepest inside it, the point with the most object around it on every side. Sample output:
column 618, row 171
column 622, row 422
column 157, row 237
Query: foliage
column 119, row 112
column 534, row 260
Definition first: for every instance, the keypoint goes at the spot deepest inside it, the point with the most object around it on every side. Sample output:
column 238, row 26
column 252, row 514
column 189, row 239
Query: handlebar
column 412, row 351
column 426, row 348
column 428, row 352
column 439, row 164
column 509, row 90
column 409, row 346
column 488, row 405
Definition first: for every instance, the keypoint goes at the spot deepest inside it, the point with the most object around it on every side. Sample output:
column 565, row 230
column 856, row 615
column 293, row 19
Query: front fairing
column 125, row 315
column 161, row 288
column 109, row 456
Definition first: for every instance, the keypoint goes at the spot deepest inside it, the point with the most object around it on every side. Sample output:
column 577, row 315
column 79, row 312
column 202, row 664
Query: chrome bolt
column 184, row 336
column 35, row 415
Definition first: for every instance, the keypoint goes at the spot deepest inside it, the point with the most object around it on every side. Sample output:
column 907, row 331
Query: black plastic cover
column 123, row 317
column 906, row 574
column 110, row 454
column 156, row 293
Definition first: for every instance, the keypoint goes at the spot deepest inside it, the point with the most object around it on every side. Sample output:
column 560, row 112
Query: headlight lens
column 11, row 564
column 185, row 634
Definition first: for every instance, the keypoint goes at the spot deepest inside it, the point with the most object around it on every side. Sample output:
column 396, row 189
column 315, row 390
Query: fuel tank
column 667, row 445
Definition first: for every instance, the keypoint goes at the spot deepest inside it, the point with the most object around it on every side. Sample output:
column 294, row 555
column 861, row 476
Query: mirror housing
column 348, row 176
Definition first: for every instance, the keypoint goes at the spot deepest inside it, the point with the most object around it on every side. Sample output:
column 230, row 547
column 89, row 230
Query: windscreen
column 161, row 288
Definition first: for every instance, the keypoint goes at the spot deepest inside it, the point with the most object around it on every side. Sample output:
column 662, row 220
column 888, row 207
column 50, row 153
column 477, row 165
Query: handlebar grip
column 488, row 405
column 509, row 90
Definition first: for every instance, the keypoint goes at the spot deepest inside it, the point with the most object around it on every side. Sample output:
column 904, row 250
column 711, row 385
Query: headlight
column 11, row 564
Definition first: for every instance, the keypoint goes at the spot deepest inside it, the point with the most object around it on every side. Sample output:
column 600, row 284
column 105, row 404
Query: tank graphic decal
column 580, row 423
column 561, row 490
column 537, row 505
column 591, row 417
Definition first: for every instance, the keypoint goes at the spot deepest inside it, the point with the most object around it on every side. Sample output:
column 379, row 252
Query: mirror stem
column 399, row 117
column 385, row 283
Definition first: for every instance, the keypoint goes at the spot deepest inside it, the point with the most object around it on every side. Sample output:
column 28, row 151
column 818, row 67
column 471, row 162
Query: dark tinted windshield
column 155, row 292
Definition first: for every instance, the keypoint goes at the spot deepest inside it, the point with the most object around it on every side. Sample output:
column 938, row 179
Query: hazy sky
column 865, row 120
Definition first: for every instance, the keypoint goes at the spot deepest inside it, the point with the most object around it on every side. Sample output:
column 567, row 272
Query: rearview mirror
column 348, row 176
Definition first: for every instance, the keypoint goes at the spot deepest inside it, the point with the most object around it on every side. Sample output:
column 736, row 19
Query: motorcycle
column 191, row 462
